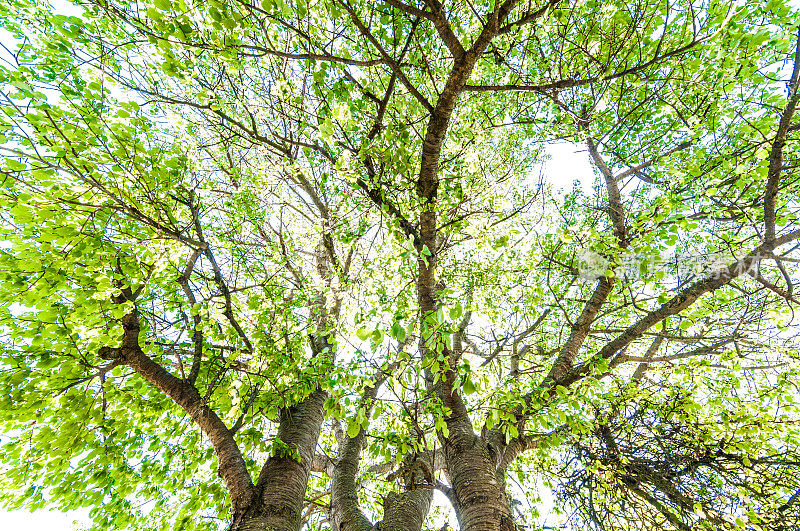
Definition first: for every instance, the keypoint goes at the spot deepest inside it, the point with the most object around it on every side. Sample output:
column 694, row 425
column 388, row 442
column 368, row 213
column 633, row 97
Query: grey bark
column 404, row 511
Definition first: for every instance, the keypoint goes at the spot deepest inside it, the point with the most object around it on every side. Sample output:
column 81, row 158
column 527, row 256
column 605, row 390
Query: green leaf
column 469, row 386
column 353, row 428
column 398, row 332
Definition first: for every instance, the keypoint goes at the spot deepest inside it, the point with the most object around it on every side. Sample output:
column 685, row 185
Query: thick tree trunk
column 282, row 483
column 478, row 487
column 403, row 511
column 406, row 511
column 346, row 514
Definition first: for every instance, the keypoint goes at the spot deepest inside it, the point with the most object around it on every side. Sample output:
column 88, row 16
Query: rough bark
column 282, row 482
column 345, row 512
column 478, row 486
column 406, row 511
column 401, row 511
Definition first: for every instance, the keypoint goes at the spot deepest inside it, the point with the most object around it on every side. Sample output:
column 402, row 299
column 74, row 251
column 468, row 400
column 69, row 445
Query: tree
column 287, row 265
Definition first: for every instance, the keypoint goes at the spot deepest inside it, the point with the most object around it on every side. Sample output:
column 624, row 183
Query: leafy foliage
column 223, row 221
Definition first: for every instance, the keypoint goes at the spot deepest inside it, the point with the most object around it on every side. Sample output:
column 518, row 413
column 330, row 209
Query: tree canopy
column 298, row 264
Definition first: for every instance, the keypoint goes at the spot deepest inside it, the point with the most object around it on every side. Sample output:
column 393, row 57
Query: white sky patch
column 44, row 520
column 567, row 165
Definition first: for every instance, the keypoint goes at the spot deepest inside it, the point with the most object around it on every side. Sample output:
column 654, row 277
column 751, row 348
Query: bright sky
column 43, row 520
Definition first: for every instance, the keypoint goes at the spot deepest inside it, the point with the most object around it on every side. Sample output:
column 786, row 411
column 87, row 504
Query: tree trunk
column 282, row 483
column 406, row 511
column 346, row 515
column 478, row 487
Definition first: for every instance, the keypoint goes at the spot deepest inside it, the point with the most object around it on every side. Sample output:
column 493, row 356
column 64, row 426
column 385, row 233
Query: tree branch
column 232, row 467
column 776, row 154
column 527, row 18
column 636, row 169
column 680, row 302
column 439, row 19
column 394, row 65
